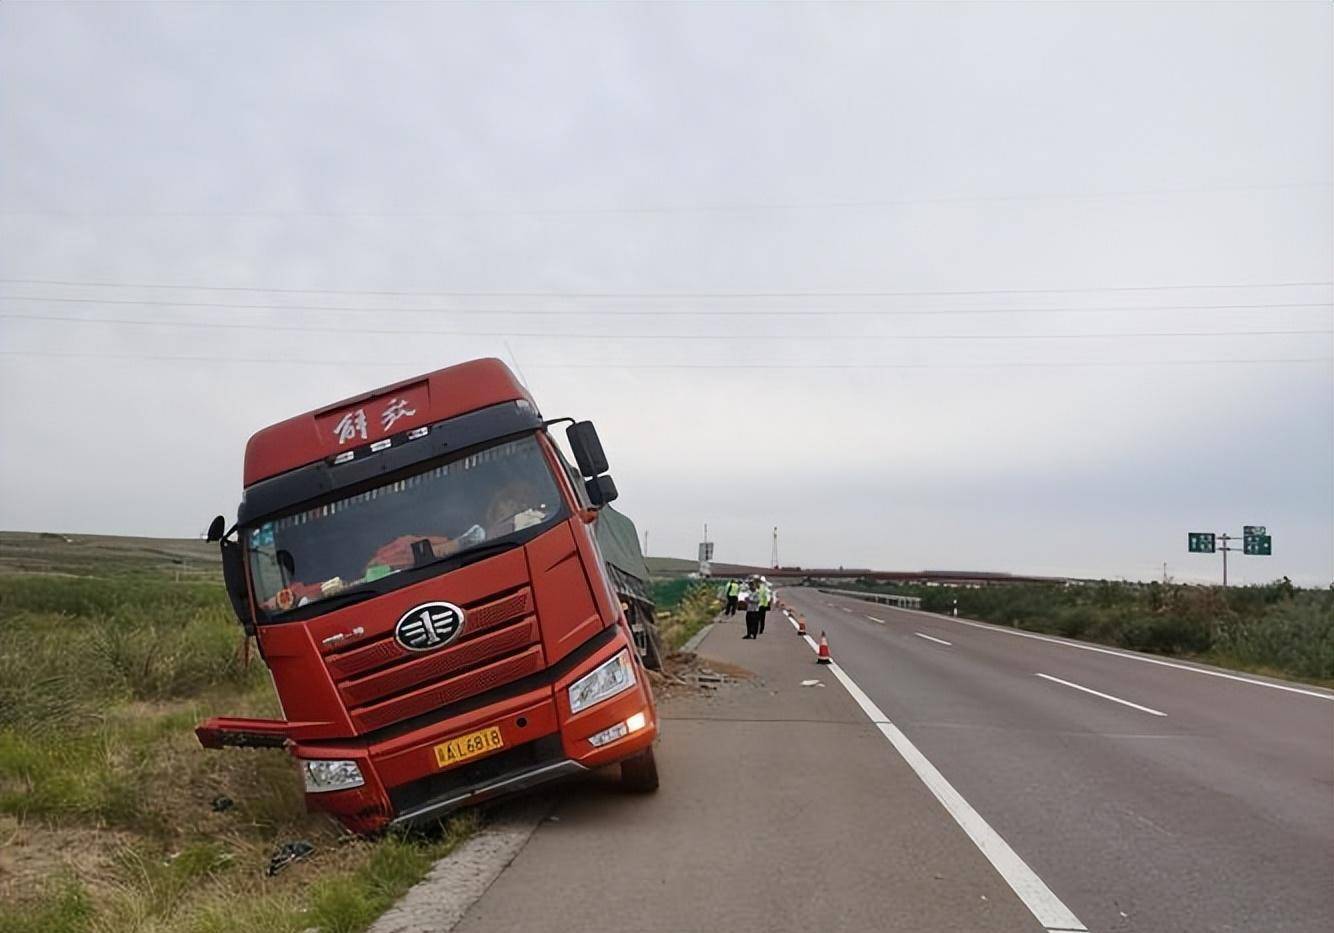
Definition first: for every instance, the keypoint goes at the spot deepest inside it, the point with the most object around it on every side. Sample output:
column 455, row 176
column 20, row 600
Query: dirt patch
column 686, row 673
column 32, row 853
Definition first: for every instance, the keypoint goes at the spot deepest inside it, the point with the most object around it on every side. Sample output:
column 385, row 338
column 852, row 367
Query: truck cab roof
column 379, row 414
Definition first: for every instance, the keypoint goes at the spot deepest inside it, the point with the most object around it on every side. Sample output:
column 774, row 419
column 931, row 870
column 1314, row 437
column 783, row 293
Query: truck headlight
column 606, row 680
column 324, row 774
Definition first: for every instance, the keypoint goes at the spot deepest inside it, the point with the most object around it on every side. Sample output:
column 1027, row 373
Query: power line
column 664, row 295
column 759, row 207
column 285, row 361
column 547, row 335
column 656, row 312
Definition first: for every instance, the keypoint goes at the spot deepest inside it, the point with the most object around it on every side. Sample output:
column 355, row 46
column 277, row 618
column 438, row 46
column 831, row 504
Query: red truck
column 419, row 569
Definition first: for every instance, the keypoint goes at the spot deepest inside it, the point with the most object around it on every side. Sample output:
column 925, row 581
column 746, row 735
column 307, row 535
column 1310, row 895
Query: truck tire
column 640, row 773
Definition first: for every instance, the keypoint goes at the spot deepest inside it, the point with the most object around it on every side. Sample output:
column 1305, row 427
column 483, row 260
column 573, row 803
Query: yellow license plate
column 448, row 754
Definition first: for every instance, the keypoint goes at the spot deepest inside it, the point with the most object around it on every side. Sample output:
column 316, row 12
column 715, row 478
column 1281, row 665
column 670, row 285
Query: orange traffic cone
column 823, row 656
column 801, row 624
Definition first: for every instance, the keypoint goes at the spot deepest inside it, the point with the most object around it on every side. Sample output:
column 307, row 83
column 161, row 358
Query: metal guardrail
column 885, row 599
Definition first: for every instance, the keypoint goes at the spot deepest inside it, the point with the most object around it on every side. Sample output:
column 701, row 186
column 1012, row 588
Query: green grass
column 108, row 555
column 102, row 681
column 682, row 607
column 69, row 647
column 1275, row 629
column 64, row 907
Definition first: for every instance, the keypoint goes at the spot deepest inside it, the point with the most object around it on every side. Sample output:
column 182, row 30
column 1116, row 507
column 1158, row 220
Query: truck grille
column 383, row 683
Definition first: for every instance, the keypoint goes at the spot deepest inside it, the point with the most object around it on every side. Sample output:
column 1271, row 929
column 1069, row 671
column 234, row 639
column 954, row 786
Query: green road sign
column 1200, row 542
column 1257, row 544
column 1251, row 531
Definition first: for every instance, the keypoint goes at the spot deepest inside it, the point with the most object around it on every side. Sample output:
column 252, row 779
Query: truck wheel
column 640, row 773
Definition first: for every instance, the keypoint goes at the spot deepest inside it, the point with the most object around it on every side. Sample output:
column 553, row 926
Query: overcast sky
column 837, row 269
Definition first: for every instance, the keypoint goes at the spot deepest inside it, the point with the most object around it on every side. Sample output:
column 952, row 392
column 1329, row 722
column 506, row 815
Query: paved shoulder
column 781, row 808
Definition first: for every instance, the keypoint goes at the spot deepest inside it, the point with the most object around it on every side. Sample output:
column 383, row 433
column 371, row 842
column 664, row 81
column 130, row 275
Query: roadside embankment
column 683, row 607
column 112, row 818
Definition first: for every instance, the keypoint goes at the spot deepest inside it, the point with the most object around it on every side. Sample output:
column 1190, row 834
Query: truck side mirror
column 233, row 581
column 583, row 438
column 601, row 490
column 217, row 528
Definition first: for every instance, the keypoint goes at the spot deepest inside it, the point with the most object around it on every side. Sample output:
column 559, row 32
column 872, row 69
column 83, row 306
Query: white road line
column 1122, row 654
column 845, row 608
column 874, row 619
column 939, row 641
column 1105, row 696
column 1032, row 890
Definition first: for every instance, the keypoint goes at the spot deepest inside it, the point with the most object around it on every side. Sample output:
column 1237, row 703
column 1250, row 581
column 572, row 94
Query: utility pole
column 646, row 542
column 773, row 554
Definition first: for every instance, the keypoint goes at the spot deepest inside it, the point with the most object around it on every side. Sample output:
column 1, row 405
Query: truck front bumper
column 544, row 741
column 507, row 783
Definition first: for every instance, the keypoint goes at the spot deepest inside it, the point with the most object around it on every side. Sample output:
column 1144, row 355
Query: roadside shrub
column 1274, row 627
column 1295, row 636
column 1164, row 633
column 682, row 608
column 1073, row 621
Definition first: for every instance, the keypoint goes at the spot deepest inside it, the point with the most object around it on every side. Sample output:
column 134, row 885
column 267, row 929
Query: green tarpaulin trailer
column 618, row 539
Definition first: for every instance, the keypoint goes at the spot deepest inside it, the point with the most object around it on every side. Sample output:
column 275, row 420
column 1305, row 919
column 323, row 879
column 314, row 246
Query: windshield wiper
column 345, row 597
column 471, row 555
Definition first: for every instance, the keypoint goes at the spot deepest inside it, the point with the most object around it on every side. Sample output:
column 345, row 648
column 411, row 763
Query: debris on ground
column 222, row 804
column 288, row 853
column 811, row 683
column 685, row 672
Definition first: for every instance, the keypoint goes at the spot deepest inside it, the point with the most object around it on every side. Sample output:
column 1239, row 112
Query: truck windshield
column 504, row 492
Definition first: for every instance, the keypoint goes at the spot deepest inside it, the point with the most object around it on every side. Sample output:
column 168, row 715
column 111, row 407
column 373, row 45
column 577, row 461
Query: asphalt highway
column 1147, row 796
column 781, row 809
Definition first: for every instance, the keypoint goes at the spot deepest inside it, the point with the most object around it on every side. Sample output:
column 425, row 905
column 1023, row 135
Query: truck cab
column 419, row 569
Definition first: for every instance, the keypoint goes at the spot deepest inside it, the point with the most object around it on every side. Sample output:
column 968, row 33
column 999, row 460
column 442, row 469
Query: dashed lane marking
column 1105, row 696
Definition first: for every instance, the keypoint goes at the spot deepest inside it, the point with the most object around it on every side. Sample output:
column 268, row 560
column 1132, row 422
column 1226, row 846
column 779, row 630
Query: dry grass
column 105, row 796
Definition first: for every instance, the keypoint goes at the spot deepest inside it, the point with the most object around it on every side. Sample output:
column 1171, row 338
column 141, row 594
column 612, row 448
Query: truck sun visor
column 317, row 479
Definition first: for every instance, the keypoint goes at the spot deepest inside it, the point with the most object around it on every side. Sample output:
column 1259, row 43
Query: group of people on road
column 759, row 597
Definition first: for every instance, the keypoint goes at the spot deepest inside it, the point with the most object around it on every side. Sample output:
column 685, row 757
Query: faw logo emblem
column 428, row 626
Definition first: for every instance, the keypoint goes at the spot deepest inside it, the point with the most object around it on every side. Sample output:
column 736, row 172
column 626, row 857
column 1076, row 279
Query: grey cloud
column 737, row 148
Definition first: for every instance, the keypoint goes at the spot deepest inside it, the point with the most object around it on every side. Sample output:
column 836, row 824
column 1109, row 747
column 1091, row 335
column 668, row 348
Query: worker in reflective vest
column 733, row 589
column 765, row 597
